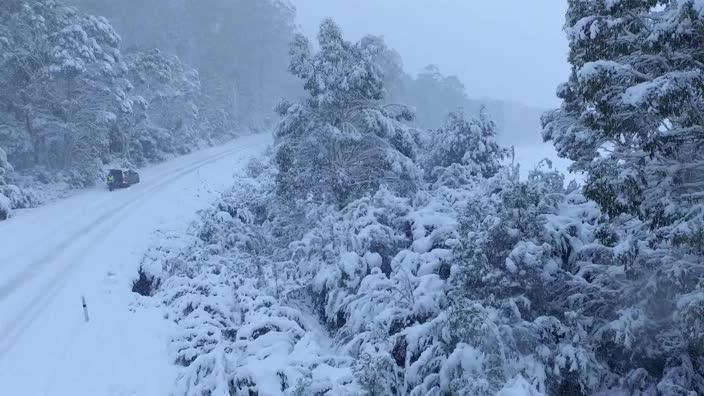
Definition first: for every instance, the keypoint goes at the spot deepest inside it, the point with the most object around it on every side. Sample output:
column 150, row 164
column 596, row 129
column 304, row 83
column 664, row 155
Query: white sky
column 505, row 49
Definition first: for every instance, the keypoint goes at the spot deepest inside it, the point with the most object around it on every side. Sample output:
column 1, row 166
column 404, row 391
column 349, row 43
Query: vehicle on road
column 121, row 178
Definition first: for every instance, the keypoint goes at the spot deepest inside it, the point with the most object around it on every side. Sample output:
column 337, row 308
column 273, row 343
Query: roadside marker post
column 85, row 309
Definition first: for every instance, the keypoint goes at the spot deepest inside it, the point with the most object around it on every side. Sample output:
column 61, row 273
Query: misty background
column 510, row 49
column 510, row 54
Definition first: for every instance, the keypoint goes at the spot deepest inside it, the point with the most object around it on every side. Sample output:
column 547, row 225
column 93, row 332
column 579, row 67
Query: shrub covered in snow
column 243, row 310
column 11, row 196
column 5, row 207
column 495, row 286
column 467, row 142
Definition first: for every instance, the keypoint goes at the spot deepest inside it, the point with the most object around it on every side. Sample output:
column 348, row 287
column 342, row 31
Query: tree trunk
column 34, row 139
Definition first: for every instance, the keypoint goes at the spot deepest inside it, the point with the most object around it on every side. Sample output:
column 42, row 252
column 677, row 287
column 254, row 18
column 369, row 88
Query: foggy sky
column 505, row 49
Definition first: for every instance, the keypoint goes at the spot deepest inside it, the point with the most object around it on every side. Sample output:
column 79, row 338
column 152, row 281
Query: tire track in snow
column 17, row 325
column 18, row 251
column 54, row 250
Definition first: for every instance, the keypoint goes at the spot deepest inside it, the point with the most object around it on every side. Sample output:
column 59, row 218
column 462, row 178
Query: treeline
column 369, row 256
column 239, row 48
column 75, row 96
column 432, row 95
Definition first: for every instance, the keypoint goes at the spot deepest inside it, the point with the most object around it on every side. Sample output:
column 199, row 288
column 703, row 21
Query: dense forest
column 386, row 244
column 79, row 92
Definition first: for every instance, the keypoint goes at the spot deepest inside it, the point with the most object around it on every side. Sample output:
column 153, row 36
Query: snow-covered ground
column 91, row 245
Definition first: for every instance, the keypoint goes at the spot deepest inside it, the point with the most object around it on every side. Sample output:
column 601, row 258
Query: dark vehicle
column 121, row 178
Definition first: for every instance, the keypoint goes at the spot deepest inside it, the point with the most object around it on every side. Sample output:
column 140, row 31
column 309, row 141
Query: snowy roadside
column 92, row 244
column 246, row 321
column 42, row 189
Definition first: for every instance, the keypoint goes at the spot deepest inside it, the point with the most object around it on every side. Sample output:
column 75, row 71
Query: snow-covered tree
column 170, row 91
column 64, row 87
column 343, row 141
column 631, row 120
column 11, row 196
column 631, row 116
column 468, row 143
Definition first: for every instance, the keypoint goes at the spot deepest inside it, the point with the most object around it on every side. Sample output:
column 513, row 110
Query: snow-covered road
column 91, row 244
